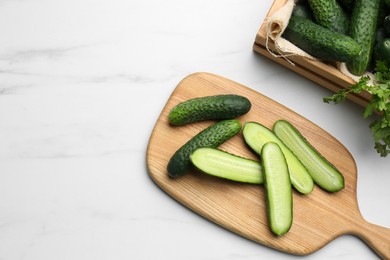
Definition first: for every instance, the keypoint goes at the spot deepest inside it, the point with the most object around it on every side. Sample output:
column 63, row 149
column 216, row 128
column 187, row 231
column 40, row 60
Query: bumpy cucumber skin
column 213, row 136
column 278, row 189
column 229, row 166
column 303, row 11
column 209, row 108
column 334, row 187
column 300, row 177
column 363, row 30
column 319, row 41
column 329, row 14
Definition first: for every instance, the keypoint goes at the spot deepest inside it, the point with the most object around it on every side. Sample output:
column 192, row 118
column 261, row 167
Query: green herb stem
column 379, row 103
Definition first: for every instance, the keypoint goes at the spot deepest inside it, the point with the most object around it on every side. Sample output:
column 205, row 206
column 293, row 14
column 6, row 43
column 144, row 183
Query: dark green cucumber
column 319, row 41
column 363, row 30
column 212, row 136
column 278, row 189
column 303, row 10
column 329, row 14
column 209, row 108
column 225, row 165
column 382, row 51
column 257, row 135
column 324, row 174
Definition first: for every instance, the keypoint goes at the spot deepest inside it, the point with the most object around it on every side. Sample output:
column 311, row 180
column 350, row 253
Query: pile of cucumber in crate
column 344, row 31
column 357, row 33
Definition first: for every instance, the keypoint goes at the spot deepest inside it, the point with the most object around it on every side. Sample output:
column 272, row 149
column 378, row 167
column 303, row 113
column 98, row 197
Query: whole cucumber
column 208, row 108
column 363, row 30
column 212, row 137
column 329, row 14
column 319, row 41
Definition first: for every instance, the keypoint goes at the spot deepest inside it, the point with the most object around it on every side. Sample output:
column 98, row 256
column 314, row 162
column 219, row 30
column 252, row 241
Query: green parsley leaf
column 379, row 103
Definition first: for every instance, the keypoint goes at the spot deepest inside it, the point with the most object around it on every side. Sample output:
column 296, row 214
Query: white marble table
column 82, row 83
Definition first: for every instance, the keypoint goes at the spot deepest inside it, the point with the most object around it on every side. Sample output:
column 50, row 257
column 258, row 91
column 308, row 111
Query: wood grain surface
column 318, row 218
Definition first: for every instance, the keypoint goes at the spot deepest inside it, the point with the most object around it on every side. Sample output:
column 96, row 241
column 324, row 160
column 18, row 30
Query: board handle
column 376, row 237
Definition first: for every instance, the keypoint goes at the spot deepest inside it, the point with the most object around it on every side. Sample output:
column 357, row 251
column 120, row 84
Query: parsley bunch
column 379, row 103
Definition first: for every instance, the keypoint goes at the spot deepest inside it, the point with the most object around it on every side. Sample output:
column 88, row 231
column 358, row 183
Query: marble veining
column 82, row 84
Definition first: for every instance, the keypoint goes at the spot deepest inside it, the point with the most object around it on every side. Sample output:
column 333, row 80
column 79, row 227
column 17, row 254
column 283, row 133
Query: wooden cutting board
column 318, row 218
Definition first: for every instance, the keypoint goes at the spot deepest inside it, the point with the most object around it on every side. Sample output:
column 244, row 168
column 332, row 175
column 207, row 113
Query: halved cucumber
column 256, row 135
column 324, row 174
column 212, row 136
column 278, row 189
column 226, row 165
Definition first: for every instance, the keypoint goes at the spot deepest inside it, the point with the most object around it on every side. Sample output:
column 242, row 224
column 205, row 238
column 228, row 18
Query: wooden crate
column 323, row 74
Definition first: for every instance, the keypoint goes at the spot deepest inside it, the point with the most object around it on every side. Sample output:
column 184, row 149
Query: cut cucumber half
column 324, row 174
column 256, row 135
column 278, row 189
column 222, row 164
column 212, row 136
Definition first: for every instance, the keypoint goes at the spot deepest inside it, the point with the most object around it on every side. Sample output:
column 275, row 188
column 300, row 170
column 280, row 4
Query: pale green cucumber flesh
column 324, row 174
column 256, row 135
column 278, row 189
column 222, row 164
